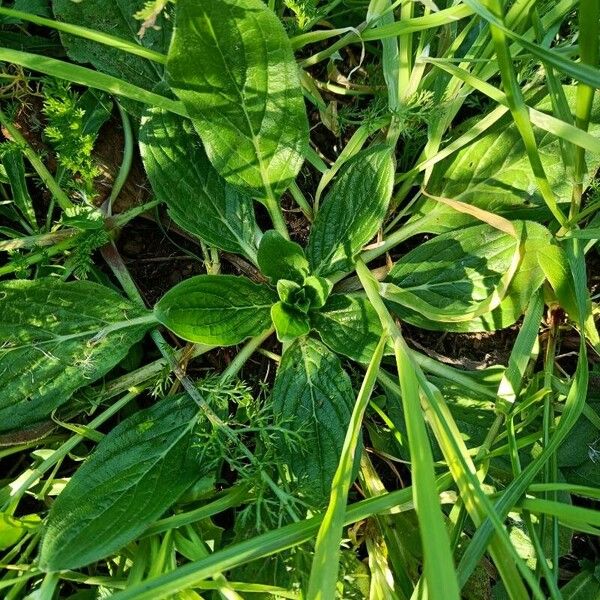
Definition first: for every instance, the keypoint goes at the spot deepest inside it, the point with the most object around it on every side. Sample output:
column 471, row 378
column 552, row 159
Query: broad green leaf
column 220, row 310
column 135, row 474
column 279, row 258
column 349, row 325
column 231, row 63
column 313, row 397
column 198, row 198
column 56, row 338
column 352, row 211
column 494, row 173
column 114, row 17
column 455, row 271
column 289, row 322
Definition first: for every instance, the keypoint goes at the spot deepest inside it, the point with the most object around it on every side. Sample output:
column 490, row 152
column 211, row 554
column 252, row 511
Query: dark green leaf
column 349, row 325
column 279, row 258
column 457, row 270
column 199, row 199
column 313, row 397
column 53, row 343
column 136, row 473
column 116, row 18
column 352, row 211
column 220, row 310
column 289, row 322
column 231, row 63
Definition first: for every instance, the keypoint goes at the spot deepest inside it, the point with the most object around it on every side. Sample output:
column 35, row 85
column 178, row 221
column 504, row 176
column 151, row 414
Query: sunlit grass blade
column 438, row 563
column 90, row 78
column 589, row 29
column 324, row 572
column 544, row 121
column 520, row 114
column 574, row 405
column 87, row 33
column 264, row 545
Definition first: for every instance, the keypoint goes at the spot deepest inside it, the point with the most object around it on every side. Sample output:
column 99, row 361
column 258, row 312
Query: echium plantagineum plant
column 224, row 128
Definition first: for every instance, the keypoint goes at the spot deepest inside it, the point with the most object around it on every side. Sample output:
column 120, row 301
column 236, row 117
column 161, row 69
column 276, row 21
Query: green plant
column 459, row 199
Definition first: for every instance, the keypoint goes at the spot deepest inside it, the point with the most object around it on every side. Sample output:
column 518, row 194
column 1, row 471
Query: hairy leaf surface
column 220, row 310
column 232, row 65
column 52, row 343
column 136, row 473
column 313, row 396
column 352, row 211
column 199, row 199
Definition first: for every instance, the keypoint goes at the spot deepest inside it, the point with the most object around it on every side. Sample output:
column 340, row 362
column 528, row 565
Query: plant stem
column 276, row 214
column 36, row 163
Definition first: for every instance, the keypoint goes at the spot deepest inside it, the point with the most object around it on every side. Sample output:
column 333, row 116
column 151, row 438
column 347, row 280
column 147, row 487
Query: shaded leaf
column 198, row 198
column 114, row 17
column 313, row 397
column 349, row 325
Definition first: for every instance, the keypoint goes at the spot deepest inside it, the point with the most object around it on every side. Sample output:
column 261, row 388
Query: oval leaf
column 279, row 258
column 231, row 63
column 199, row 199
column 457, row 270
column 349, row 325
column 136, row 473
column 352, row 212
column 313, row 396
column 220, row 310
column 52, row 343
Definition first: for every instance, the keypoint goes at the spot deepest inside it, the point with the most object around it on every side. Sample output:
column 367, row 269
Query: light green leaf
column 231, row 63
column 289, row 322
column 220, row 310
column 352, row 211
column 198, row 198
column 456, row 271
column 136, row 473
column 313, row 397
column 317, row 290
column 279, row 258
column 349, row 325
column 56, row 338
column 114, row 17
